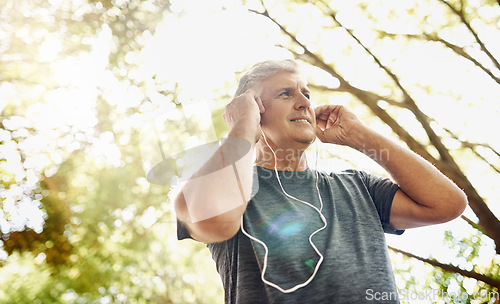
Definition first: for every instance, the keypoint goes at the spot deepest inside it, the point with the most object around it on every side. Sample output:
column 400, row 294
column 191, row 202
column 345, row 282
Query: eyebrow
column 289, row 89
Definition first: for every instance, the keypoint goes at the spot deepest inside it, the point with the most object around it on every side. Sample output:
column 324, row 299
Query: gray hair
column 262, row 70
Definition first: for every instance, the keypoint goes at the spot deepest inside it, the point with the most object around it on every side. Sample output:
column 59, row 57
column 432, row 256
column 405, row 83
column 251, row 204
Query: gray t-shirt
column 356, row 266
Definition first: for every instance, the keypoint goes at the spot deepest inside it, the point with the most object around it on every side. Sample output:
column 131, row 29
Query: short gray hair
column 262, row 70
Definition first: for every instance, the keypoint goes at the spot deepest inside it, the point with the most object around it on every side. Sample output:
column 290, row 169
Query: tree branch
column 390, row 101
column 473, row 149
column 461, row 52
column 369, row 99
column 421, row 117
column 473, row 224
column 450, row 268
column 319, row 62
column 407, row 97
column 455, row 48
column 472, row 146
column 461, row 15
column 447, row 165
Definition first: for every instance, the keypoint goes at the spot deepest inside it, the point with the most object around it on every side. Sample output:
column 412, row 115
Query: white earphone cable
column 264, row 268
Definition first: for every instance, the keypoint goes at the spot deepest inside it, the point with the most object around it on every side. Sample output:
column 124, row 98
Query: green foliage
column 120, row 233
column 468, row 253
column 51, row 241
column 106, row 235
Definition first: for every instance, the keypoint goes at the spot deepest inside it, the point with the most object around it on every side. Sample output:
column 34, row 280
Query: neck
column 285, row 159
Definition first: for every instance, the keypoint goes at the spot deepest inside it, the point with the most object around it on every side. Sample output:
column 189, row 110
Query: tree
column 372, row 28
column 79, row 222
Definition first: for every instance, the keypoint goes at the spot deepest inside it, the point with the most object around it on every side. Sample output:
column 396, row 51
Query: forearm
column 426, row 196
column 420, row 180
column 213, row 200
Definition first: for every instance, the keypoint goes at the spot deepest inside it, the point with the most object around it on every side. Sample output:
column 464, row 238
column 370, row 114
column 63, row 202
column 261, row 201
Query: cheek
column 269, row 116
column 313, row 115
column 274, row 116
column 265, row 120
column 271, row 125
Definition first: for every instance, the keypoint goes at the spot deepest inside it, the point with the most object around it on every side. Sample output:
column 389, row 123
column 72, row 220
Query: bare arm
column 426, row 196
column 214, row 199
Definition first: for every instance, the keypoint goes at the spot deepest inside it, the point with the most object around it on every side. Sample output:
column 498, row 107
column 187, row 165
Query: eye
column 307, row 95
column 285, row 94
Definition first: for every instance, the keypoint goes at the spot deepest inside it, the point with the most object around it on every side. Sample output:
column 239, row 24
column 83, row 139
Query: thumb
column 320, row 134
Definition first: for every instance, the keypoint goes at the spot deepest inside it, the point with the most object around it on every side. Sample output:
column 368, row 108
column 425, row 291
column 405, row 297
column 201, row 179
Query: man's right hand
column 214, row 199
column 245, row 108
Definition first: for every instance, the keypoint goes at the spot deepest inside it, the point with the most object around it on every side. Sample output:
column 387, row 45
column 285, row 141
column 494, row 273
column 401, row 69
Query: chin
column 306, row 140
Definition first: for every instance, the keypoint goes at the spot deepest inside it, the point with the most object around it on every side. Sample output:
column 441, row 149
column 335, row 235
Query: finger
column 333, row 118
column 326, row 115
column 260, row 104
column 257, row 99
column 227, row 118
column 251, row 93
column 224, row 116
column 321, row 123
column 320, row 134
column 323, row 116
column 324, row 109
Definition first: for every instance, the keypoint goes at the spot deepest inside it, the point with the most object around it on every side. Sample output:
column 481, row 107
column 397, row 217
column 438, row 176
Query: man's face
column 289, row 120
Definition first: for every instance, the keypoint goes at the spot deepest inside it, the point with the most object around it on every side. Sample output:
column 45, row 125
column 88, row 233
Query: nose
column 302, row 102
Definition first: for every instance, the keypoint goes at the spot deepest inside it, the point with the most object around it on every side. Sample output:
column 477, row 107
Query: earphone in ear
column 264, row 268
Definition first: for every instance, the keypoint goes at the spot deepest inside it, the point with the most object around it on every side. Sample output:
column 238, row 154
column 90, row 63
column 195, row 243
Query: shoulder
column 359, row 176
column 347, row 175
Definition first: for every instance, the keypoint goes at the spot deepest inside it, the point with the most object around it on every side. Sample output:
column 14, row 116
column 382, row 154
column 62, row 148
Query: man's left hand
column 337, row 124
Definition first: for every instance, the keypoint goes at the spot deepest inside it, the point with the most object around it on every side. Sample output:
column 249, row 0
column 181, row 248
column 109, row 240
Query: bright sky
column 201, row 46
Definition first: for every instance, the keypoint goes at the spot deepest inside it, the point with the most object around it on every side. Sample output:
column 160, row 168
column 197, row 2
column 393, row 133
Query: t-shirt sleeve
column 182, row 232
column 382, row 191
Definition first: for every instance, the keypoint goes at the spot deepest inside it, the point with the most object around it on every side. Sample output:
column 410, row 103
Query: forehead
column 282, row 80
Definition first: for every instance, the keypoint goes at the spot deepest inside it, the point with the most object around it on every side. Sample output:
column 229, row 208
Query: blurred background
column 93, row 94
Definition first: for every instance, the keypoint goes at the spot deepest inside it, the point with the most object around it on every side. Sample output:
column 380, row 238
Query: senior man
column 303, row 236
